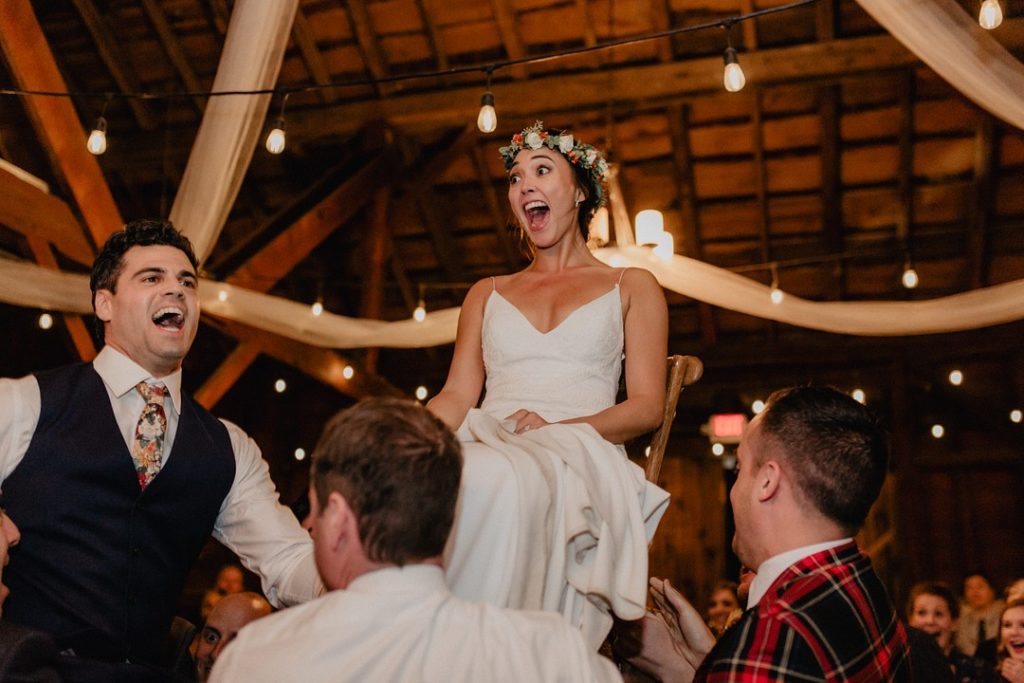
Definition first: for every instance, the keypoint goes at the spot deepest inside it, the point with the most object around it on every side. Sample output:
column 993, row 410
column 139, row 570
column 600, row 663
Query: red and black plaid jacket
column 826, row 618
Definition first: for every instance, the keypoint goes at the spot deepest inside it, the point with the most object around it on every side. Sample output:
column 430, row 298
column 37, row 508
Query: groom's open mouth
column 169, row 318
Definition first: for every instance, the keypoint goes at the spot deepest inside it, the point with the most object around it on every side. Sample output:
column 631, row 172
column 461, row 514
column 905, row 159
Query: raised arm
column 646, row 349
column 461, row 390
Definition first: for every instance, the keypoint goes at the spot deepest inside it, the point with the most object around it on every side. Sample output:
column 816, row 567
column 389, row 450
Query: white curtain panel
column 952, row 43
column 232, row 125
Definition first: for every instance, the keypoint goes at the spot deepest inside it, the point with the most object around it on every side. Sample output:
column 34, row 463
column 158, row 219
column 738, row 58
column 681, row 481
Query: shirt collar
column 773, row 567
column 120, row 373
column 415, row 577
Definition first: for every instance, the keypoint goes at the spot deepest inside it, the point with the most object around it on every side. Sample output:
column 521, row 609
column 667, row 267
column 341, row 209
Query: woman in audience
column 724, row 601
column 933, row 609
column 1011, row 642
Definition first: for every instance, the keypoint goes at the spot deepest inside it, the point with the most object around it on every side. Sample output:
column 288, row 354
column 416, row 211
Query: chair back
column 682, row 372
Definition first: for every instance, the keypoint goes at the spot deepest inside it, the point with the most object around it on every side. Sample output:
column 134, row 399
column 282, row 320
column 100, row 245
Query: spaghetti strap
column 619, row 281
column 494, row 284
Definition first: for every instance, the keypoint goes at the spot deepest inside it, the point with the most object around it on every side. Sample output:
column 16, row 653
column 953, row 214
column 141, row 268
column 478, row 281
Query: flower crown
column 577, row 153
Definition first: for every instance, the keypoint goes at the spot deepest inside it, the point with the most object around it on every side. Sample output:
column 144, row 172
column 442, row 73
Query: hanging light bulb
column 97, row 142
column 650, row 223
column 45, row 321
column 300, row 454
column 276, row 138
column 776, row 295
column 909, row 277
column 420, row 314
column 991, row 14
column 1016, row 416
column 859, row 396
column 956, row 378
column 733, row 79
column 487, row 119
column 348, row 371
column 938, row 431
column 421, row 392
column 317, row 308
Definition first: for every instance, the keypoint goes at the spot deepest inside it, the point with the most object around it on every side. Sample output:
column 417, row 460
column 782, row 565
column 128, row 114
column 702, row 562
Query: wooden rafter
column 905, row 216
column 761, row 178
column 508, row 28
column 494, row 208
column 30, row 211
column 174, row 50
column 986, row 162
column 445, row 246
column 75, row 325
column 831, row 181
column 427, row 14
column 377, row 246
column 220, row 15
column 57, row 126
column 749, row 26
column 322, row 364
column 825, row 19
column 662, row 22
column 290, row 247
column 311, row 56
column 682, row 158
column 226, row 374
column 589, row 35
column 367, row 39
column 116, row 62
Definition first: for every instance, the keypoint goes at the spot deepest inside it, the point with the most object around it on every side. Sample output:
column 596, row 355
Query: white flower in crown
column 565, row 143
column 533, row 140
column 591, row 156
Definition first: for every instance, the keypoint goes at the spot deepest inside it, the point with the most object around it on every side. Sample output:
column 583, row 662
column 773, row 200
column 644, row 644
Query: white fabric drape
column 952, row 43
column 26, row 284
column 231, row 127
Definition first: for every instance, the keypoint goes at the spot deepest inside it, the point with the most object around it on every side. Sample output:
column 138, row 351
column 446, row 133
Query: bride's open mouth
column 536, row 214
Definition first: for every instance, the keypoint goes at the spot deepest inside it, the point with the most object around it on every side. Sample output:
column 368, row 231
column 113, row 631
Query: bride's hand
column 526, row 420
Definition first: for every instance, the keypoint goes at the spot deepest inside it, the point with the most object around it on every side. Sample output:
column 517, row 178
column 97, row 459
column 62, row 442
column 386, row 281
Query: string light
column 1016, row 416
column 757, row 406
column 300, row 454
column 317, row 308
column 280, row 385
column 348, row 371
column 956, row 378
column 487, row 119
column 420, row 314
column 276, row 138
column 859, row 396
column 421, row 392
column 222, row 295
column 909, row 277
column 938, row 431
column 97, row 142
column 717, row 449
column 733, row 79
column 45, row 321
column 991, row 14
column 777, row 295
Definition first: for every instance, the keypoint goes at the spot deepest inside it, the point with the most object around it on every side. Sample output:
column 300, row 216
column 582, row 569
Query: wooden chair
column 682, row 372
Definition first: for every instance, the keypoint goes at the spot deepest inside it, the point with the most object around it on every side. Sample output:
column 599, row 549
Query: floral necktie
column 148, row 445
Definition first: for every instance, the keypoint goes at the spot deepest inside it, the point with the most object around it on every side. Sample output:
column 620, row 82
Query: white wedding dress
column 556, row 518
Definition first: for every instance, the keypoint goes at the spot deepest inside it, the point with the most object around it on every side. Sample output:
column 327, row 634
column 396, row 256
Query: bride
column 552, row 515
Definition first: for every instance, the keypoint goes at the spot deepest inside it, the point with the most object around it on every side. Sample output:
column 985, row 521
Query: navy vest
column 101, row 563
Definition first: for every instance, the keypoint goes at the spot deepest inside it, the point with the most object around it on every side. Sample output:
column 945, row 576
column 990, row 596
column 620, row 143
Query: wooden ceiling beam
column 288, row 249
column 749, row 26
column 427, row 13
column 28, row 210
column 226, row 374
column 761, row 179
column 116, row 62
column 508, row 28
column 220, row 15
column 373, row 57
column 445, row 245
column 986, row 164
column 311, row 56
column 324, row 365
column 498, row 219
column 682, row 157
column 33, row 67
column 661, row 21
column 905, row 174
column 831, row 181
column 165, row 32
column 75, row 324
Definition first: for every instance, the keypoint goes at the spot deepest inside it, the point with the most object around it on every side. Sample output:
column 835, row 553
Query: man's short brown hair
column 398, row 468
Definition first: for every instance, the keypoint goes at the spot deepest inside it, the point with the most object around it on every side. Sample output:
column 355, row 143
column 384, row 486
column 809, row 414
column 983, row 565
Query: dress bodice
column 569, row 371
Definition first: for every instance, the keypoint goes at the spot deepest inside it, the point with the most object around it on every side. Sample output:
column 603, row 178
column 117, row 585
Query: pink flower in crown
column 517, row 139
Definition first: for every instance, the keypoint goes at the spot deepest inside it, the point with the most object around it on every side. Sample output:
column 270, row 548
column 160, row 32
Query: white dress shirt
column 252, row 523
column 402, row 625
column 773, row 567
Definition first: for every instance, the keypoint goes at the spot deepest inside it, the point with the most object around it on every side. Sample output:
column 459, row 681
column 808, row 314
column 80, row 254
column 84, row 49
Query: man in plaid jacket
column 809, row 468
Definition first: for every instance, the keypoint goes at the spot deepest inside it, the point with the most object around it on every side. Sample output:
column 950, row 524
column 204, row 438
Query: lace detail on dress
column 569, row 371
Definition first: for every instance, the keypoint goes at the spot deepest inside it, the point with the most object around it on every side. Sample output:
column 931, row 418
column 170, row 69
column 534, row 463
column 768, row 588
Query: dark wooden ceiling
column 842, row 157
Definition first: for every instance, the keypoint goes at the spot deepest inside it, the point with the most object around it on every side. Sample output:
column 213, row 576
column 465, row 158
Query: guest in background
column 979, row 615
column 1011, row 642
column 226, row 620
column 724, row 601
column 230, row 580
column 1015, row 591
column 932, row 608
